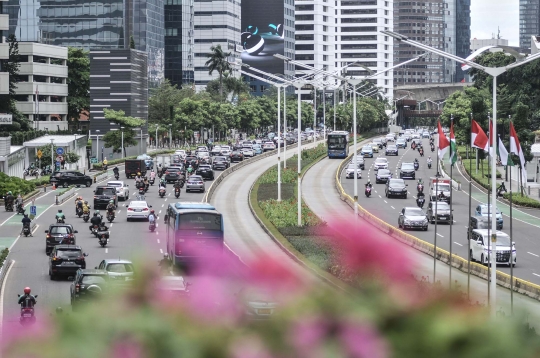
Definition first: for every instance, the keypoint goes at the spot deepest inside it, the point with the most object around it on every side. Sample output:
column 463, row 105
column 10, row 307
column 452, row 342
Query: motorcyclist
column 152, row 216
column 368, row 184
column 27, row 300
column 96, row 219
column 501, row 189
column 26, row 223
column 163, row 183
column 152, row 175
column 79, row 203
column 138, row 178
column 420, row 182
column 86, row 208
column 116, row 171
column 429, row 160
column 190, row 169
column 146, row 183
column 177, row 184
column 111, row 207
column 441, row 196
column 60, row 215
column 165, row 263
column 159, row 170
column 9, row 199
column 105, row 163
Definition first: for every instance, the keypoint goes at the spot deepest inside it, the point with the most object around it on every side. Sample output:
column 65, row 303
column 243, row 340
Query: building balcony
column 4, row 51
column 44, row 107
column 4, row 83
column 51, row 126
column 43, row 69
column 4, row 22
column 45, row 89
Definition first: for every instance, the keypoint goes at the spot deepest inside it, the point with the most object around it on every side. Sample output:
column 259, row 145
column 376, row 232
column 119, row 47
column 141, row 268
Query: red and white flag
column 479, row 138
column 444, row 143
column 515, row 147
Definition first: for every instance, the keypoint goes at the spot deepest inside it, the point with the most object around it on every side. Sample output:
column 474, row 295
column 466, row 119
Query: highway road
column 527, row 243
column 324, row 201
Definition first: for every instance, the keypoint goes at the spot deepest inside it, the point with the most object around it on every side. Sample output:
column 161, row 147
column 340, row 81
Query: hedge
column 15, row 185
column 522, row 200
column 3, row 256
column 43, row 180
column 482, row 178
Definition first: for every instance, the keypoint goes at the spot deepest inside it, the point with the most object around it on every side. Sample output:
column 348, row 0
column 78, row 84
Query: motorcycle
column 368, row 192
column 26, row 230
column 429, row 165
column 152, row 226
column 420, row 201
column 110, row 216
column 116, row 176
column 60, row 220
column 20, row 209
column 8, row 206
column 420, row 188
column 141, row 191
column 79, row 212
column 86, row 217
column 416, row 165
column 177, row 192
column 27, row 314
column 146, row 186
column 432, row 148
column 152, row 181
column 421, row 151
column 103, row 237
column 94, row 230
column 161, row 193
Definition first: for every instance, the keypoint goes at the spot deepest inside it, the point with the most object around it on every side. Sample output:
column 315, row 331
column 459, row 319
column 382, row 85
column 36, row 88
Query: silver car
column 248, row 152
column 195, row 182
column 120, row 271
column 122, row 189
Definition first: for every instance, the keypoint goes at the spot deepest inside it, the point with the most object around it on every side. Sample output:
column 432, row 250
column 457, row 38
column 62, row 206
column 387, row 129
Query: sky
column 487, row 15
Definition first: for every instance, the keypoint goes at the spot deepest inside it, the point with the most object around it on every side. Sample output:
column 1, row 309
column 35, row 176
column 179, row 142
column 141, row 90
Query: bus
column 338, row 144
column 194, row 230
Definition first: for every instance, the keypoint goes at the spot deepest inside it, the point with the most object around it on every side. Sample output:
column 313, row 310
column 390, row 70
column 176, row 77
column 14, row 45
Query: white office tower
column 215, row 23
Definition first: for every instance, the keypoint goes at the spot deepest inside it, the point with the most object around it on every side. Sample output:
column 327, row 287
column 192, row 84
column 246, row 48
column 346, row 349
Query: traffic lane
column 388, row 210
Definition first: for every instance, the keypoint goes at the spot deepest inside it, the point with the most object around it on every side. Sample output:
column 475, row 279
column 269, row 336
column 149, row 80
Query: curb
column 521, row 286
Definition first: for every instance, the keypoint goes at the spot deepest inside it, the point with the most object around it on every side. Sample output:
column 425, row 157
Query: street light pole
column 314, row 110
column 52, row 153
column 335, row 104
column 157, row 127
column 324, row 114
column 299, row 153
column 122, row 129
column 97, row 145
column 170, row 136
column 284, row 126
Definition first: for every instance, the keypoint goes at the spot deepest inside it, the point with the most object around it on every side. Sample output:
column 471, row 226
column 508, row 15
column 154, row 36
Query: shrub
column 3, row 256
column 269, row 191
column 522, row 200
column 284, row 213
column 44, row 180
column 15, row 185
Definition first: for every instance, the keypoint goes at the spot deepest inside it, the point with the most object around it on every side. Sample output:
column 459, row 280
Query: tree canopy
column 78, row 81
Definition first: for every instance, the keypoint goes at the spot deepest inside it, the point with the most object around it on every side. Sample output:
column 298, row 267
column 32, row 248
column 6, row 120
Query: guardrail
column 521, row 286
column 59, row 199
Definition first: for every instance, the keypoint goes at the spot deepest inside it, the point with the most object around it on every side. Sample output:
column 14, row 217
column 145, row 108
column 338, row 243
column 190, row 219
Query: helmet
column 139, row 173
column 25, row 215
column 86, row 202
column 152, row 211
column 165, row 255
column 60, row 210
column 111, row 201
column 9, row 193
column 27, row 290
column 152, row 170
column 96, row 212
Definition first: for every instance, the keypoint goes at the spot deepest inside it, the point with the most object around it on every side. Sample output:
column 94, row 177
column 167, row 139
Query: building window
column 325, row 48
column 304, row 7
column 325, row 18
column 325, row 28
column 171, row 32
column 304, row 57
column 304, row 17
column 325, row 38
column 325, row 8
column 325, row 58
column 305, row 27
column 301, row 37
column 304, row 47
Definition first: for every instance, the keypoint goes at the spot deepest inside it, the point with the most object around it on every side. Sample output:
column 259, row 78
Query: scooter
column 177, row 192
column 26, row 230
column 103, row 237
column 420, row 201
column 152, row 225
column 110, row 216
column 161, row 192
column 416, row 165
column 141, row 191
column 94, row 230
column 86, row 217
column 60, row 220
column 420, row 188
column 27, row 314
column 152, row 181
column 20, row 209
column 368, row 191
column 79, row 212
column 9, row 206
column 116, row 176
column 429, row 165
column 421, row 151
column 432, row 148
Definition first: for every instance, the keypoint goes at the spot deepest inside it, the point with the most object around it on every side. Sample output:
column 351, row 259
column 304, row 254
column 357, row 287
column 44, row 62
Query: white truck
column 438, row 186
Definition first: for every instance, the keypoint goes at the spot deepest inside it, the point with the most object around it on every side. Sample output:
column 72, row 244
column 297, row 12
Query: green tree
column 131, row 42
column 119, row 117
column 78, row 83
column 114, row 138
column 69, row 157
column 162, row 98
column 218, row 61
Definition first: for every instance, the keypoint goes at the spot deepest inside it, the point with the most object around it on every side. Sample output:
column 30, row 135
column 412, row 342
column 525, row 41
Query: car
column 220, row 163
column 195, row 182
column 482, row 210
column 257, row 149
column 181, row 153
column 349, row 172
column 236, row 156
column 138, row 209
column 267, row 146
column 88, row 285
column 103, row 195
column 375, row 147
column 440, row 212
column 425, row 134
column 379, row 142
column 407, row 137
column 412, row 217
column 390, row 138
column 415, row 136
column 173, row 285
column 360, row 161
column 66, row 260
column 382, row 176
column 59, row 234
column 177, row 159
column 122, row 189
column 367, row 151
column 193, row 160
column 225, row 148
column 205, row 171
column 226, row 153
column 391, row 149
column 401, row 143
column 257, row 304
column 204, row 157
column 380, row 163
column 68, row 178
column 406, row 171
column 202, row 148
column 120, row 271
column 216, row 150
column 480, row 245
column 172, row 174
column 248, row 152
column 396, row 187
column 479, row 222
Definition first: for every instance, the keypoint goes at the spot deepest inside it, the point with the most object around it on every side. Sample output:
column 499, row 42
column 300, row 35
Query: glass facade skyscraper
column 529, row 18
column 463, row 34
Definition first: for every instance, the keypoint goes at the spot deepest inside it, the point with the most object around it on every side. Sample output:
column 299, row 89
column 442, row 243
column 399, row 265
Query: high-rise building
column 93, row 26
column 529, row 22
column 179, row 42
column 4, row 50
column 442, row 24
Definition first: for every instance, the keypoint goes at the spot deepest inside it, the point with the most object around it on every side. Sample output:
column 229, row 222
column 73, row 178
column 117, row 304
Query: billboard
column 263, row 34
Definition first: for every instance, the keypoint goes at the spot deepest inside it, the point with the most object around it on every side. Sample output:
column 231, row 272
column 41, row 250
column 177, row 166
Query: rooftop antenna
column 498, row 33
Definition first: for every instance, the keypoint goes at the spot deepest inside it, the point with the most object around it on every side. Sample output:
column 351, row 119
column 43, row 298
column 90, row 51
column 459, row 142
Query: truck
column 438, row 185
column 134, row 166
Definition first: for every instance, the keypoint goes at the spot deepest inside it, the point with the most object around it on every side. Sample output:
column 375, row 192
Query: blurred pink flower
column 13, row 333
column 250, row 347
column 362, row 341
column 308, row 335
column 366, row 252
column 276, row 275
column 127, row 348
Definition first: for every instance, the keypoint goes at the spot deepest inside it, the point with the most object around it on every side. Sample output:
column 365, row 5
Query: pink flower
column 308, row 335
column 127, row 348
column 362, row 341
column 250, row 347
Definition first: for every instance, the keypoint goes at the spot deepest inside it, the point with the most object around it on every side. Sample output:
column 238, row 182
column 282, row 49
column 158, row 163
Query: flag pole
column 436, row 191
column 511, row 237
column 469, row 226
column 489, row 222
column 451, row 187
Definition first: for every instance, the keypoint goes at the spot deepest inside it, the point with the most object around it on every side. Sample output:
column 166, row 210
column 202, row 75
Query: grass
column 316, row 249
column 483, row 177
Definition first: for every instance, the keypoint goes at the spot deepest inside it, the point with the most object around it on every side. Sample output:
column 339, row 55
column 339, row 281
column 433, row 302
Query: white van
column 479, row 247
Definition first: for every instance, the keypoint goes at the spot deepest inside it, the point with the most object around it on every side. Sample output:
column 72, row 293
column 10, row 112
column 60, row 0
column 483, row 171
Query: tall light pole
column 170, row 136
column 122, row 129
column 314, row 110
column 285, row 126
column 52, row 154
column 494, row 72
column 157, row 127
column 97, row 144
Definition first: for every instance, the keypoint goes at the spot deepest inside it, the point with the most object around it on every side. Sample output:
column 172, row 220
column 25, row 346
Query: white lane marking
column 2, row 295
column 466, row 227
column 162, row 205
column 165, row 199
column 409, row 192
column 380, row 196
column 158, row 241
column 161, row 250
column 157, row 232
column 533, row 254
column 159, row 212
column 111, row 225
column 414, row 197
column 536, row 274
column 118, row 211
column 392, row 207
column 123, row 204
column 439, row 235
column 157, row 224
column 386, row 202
column 457, row 243
column 106, row 250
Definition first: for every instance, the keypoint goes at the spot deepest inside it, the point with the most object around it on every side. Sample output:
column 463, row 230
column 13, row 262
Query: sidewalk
column 532, row 190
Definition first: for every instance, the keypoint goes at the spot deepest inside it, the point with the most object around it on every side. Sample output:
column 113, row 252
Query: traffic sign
column 93, row 160
column 59, row 158
column 39, row 153
column 58, row 165
column 33, row 210
column 60, row 151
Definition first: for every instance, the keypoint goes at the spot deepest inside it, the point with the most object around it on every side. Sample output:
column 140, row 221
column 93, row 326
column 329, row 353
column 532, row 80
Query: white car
column 416, row 136
column 380, row 163
column 268, row 146
column 479, row 247
column 138, row 210
column 122, row 189
column 181, row 153
column 248, row 152
column 349, row 172
column 216, row 150
column 390, row 138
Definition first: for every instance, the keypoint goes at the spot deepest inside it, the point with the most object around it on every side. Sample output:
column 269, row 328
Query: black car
column 205, row 171
column 396, row 187
column 391, row 149
column 193, row 160
column 66, row 260
column 68, row 178
column 59, row 234
column 382, row 176
column 407, row 171
column 237, row 156
column 220, row 163
column 104, row 194
column 172, row 174
column 88, row 285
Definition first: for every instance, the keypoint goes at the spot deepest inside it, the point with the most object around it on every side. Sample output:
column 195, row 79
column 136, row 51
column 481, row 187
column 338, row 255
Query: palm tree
column 218, row 61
